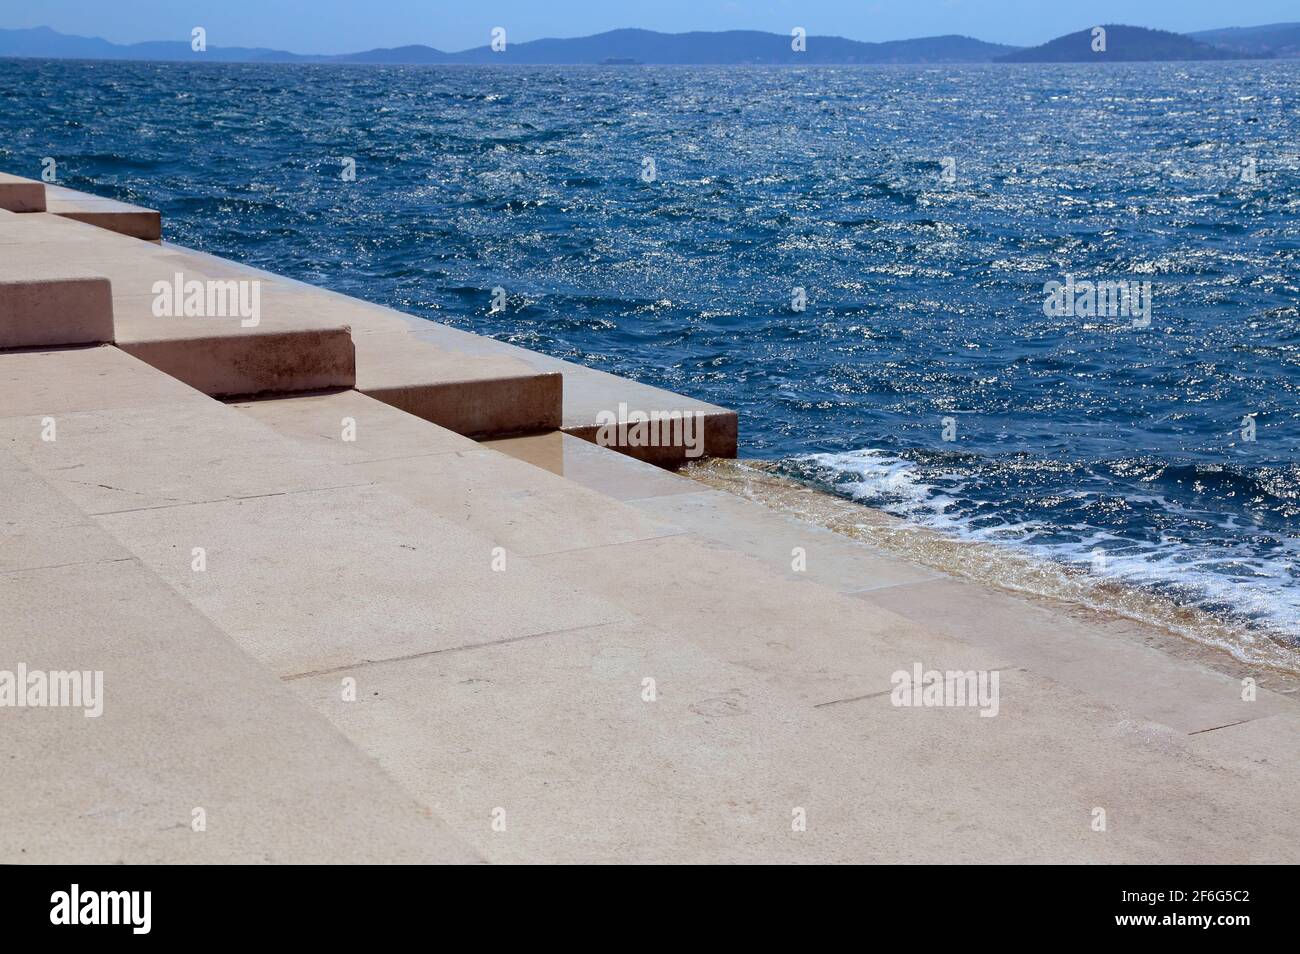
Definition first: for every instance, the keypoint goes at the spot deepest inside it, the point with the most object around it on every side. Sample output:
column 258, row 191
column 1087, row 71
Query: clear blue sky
column 341, row 26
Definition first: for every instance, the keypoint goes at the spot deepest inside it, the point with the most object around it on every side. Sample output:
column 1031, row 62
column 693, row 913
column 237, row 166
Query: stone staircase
column 346, row 631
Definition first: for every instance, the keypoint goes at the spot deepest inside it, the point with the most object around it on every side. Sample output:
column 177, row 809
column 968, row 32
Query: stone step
column 21, row 195
column 466, row 383
column 808, row 657
column 34, row 237
column 249, row 361
column 186, row 721
column 476, row 397
column 771, row 694
column 590, row 465
column 509, row 503
column 54, row 305
column 582, row 760
column 577, row 691
column 302, row 339
column 326, row 582
column 472, row 395
column 592, row 396
column 286, row 347
column 793, row 547
column 245, row 339
column 286, row 530
column 1108, row 657
column 324, row 578
column 1009, row 786
column 30, row 195
column 123, row 218
column 1177, row 692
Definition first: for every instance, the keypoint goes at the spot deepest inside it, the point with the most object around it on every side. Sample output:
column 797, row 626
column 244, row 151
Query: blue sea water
column 1073, row 435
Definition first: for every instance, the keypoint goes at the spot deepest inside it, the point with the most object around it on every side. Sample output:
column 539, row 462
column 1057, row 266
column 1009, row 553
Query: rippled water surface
column 1080, row 438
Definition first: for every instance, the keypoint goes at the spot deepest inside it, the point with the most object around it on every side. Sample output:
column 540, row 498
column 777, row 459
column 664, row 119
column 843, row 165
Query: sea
column 1052, row 310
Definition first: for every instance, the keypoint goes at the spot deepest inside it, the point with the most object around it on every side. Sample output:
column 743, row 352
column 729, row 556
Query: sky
column 345, row 26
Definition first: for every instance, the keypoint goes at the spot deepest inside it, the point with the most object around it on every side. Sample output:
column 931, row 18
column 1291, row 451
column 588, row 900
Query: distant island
column 1125, row 44
column 1279, row 39
column 623, row 47
column 631, row 47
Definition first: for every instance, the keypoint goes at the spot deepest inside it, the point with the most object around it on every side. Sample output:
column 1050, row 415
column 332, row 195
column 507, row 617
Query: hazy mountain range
column 1280, row 39
column 727, row 47
column 1126, row 44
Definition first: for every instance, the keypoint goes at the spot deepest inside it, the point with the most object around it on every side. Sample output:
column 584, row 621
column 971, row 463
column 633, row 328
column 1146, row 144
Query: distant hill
column 1279, row 39
column 734, row 47
column 50, row 44
column 414, row 54
column 729, row 47
column 641, row 46
column 1124, row 44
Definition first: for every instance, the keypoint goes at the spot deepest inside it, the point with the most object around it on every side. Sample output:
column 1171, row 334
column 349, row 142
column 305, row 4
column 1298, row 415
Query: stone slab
column 21, row 195
column 1266, row 748
column 1081, row 653
column 121, row 217
column 1024, row 786
column 807, row 641
column 589, row 392
column 349, row 427
column 55, row 305
column 783, row 542
column 39, row 527
column 476, row 397
column 253, row 363
column 188, row 722
column 59, row 381
column 523, row 508
column 597, row 468
column 311, row 582
column 555, row 737
column 42, row 228
column 133, row 458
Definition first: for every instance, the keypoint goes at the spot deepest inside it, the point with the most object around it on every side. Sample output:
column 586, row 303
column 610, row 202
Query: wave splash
column 1229, row 580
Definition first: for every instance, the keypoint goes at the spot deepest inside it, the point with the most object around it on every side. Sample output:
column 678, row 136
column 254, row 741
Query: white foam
column 1227, row 579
